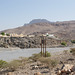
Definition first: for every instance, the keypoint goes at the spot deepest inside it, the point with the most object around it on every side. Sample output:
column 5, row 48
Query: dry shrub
column 35, row 57
column 73, row 41
column 72, row 51
column 23, row 60
column 65, row 51
column 48, row 61
column 13, row 65
column 3, row 64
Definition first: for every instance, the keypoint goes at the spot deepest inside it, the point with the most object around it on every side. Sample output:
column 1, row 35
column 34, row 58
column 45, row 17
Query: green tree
column 2, row 33
column 8, row 34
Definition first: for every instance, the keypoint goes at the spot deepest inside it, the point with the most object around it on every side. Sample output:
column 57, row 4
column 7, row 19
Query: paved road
column 9, row 54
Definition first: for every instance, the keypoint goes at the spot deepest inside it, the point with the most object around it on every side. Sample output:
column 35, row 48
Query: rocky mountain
column 37, row 21
column 65, row 29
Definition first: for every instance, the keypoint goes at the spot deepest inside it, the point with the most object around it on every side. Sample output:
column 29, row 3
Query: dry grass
column 13, row 65
column 48, row 61
column 35, row 57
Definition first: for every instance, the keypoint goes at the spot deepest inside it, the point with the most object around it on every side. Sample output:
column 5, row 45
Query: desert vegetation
column 64, row 43
column 13, row 65
column 2, row 33
column 35, row 57
column 72, row 51
column 73, row 41
column 3, row 64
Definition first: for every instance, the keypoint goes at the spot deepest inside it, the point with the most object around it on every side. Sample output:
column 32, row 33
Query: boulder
column 73, row 69
column 38, row 73
column 10, row 73
column 66, row 69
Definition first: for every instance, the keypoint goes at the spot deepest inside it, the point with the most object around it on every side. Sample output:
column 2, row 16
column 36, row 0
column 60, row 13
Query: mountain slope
column 64, row 29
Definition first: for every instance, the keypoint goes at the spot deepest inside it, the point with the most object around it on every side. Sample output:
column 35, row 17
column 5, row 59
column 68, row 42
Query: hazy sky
column 14, row 13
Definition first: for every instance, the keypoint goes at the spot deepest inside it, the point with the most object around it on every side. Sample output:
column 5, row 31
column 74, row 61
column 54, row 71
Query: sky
column 15, row 13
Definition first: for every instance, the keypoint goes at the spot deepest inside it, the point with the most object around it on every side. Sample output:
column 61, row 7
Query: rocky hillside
column 26, row 42
column 65, row 30
column 39, row 21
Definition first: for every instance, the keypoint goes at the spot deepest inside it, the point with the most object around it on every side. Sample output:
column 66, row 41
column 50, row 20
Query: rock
column 73, row 69
column 27, row 42
column 38, row 73
column 66, row 69
column 61, row 62
column 35, row 67
column 10, row 73
column 59, row 72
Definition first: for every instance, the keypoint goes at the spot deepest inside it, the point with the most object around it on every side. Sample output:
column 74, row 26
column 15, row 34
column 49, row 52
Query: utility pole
column 43, row 46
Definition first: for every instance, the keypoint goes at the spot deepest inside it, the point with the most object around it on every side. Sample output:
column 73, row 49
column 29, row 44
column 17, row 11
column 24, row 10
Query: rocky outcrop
column 67, row 69
column 27, row 42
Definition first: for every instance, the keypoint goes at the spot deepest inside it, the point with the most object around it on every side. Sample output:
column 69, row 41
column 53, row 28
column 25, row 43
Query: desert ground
column 45, row 65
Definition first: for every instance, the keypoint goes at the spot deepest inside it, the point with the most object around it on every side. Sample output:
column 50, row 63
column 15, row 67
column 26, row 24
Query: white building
column 50, row 35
